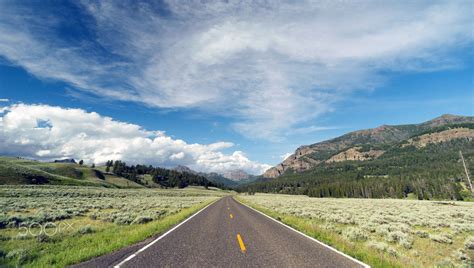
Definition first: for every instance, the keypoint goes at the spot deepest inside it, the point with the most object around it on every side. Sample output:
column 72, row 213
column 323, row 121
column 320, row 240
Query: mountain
column 183, row 169
column 228, row 178
column 218, row 178
column 406, row 161
column 236, row 175
column 377, row 139
column 212, row 176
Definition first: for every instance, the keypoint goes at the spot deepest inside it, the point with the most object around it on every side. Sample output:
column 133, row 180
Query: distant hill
column 24, row 171
column 117, row 174
column 218, row 178
column 308, row 156
column 405, row 161
column 182, row 169
column 236, row 175
column 228, row 180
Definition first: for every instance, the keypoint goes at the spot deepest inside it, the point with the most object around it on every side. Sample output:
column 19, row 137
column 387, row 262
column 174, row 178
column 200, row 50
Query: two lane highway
column 229, row 234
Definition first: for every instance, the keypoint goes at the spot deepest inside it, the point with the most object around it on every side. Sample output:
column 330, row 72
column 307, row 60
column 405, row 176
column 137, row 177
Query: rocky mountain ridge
column 228, row 178
column 309, row 156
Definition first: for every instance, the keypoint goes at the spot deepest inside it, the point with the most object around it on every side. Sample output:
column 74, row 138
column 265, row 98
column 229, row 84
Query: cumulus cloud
column 48, row 132
column 268, row 66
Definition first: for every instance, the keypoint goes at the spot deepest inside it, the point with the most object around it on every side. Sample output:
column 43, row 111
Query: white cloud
column 48, row 132
column 268, row 66
column 4, row 100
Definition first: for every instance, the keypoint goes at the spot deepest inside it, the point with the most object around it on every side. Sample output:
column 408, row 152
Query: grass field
column 381, row 232
column 61, row 225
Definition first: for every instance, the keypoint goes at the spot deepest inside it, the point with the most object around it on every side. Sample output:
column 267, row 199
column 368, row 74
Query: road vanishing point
column 227, row 234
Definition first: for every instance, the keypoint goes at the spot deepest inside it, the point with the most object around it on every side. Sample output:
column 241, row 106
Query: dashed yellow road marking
column 231, row 216
column 241, row 243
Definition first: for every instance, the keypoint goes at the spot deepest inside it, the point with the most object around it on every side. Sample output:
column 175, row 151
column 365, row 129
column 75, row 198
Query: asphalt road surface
column 227, row 234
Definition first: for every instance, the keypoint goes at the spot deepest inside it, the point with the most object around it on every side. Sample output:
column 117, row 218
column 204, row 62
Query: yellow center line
column 241, row 243
column 231, row 216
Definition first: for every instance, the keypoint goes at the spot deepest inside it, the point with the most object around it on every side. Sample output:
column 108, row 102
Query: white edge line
column 162, row 236
column 307, row 236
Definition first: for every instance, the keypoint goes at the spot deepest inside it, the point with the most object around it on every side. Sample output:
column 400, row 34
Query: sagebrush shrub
column 142, row 220
column 355, row 234
column 469, row 243
column 86, row 230
column 441, row 239
column 380, row 246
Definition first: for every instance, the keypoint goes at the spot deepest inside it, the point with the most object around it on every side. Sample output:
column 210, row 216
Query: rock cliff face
column 443, row 136
column 354, row 154
column 309, row 156
column 296, row 161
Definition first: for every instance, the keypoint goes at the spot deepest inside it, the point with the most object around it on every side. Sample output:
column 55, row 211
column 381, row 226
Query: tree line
column 162, row 176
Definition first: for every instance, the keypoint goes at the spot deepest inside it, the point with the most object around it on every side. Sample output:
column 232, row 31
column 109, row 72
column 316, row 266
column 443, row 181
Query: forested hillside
column 307, row 157
column 426, row 165
column 162, row 176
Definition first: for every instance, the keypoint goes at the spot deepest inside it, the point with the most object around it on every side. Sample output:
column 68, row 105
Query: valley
column 202, row 134
column 394, row 196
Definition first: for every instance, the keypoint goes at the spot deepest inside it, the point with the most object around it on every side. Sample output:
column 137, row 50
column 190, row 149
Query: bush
column 355, row 234
column 441, row 239
column 461, row 255
column 380, row 246
column 86, row 230
column 422, row 234
column 393, row 252
column 142, row 220
column 396, row 236
column 42, row 238
column 123, row 220
column 406, row 242
column 469, row 243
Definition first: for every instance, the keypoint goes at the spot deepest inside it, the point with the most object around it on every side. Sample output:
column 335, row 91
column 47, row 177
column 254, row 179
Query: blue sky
column 263, row 79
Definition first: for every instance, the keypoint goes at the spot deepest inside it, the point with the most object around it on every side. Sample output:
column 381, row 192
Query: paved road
column 228, row 234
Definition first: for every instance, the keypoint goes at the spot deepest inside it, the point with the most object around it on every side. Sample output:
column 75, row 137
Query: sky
column 223, row 85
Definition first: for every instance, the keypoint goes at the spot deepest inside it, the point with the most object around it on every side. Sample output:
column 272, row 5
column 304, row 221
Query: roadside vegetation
column 43, row 226
column 381, row 232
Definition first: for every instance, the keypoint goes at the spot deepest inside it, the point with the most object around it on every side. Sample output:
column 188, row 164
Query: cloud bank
column 48, row 132
column 270, row 66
